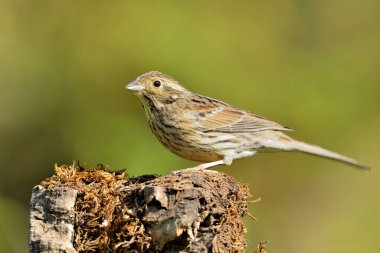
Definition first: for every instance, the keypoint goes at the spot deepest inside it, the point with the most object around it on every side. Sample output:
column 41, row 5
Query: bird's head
column 157, row 87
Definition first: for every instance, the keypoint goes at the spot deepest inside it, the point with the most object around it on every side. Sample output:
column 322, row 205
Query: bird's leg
column 227, row 160
column 205, row 166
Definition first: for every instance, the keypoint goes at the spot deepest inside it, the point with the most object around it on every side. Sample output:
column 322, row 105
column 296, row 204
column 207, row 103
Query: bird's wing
column 214, row 115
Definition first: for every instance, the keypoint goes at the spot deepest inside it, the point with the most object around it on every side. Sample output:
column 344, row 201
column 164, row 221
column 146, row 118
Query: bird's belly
column 186, row 144
column 233, row 145
column 189, row 148
column 205, row 147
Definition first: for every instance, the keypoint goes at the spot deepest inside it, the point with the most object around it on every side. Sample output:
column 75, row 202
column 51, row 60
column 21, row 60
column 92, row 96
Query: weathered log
column 99, row 210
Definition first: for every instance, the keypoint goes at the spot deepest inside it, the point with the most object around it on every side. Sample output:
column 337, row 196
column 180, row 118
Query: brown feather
column 221, row 117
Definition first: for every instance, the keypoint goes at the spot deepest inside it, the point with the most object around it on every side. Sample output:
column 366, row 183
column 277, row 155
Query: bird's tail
column 315, row 150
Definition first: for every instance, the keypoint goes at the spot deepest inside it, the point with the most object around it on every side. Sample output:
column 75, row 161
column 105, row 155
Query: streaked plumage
column 204, row 129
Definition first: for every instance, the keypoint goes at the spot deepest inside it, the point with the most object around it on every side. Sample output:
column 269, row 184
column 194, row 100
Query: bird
column 210, row 131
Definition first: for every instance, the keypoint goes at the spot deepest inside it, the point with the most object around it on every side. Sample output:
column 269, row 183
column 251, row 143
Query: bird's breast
column 181, row 138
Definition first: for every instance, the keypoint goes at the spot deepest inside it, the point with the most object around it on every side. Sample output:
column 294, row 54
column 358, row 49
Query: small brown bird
column 204, row 129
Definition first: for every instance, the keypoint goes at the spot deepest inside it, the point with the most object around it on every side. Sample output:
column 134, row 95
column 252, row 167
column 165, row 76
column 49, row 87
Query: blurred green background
column 311, row 65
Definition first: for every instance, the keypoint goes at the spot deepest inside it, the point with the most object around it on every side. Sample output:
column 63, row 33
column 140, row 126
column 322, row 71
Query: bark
column 99, row 210
column 52, row 219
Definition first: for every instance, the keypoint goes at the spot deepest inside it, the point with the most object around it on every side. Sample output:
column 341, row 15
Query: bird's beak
column 135, row 86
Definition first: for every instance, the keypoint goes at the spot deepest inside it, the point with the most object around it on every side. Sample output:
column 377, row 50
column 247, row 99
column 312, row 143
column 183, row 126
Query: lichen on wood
column 184, row 211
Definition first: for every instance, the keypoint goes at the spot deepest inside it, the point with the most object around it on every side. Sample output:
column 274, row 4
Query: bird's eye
column 157, row 83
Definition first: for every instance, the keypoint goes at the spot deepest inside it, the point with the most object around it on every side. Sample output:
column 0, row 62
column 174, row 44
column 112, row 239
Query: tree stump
column 100, row 210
